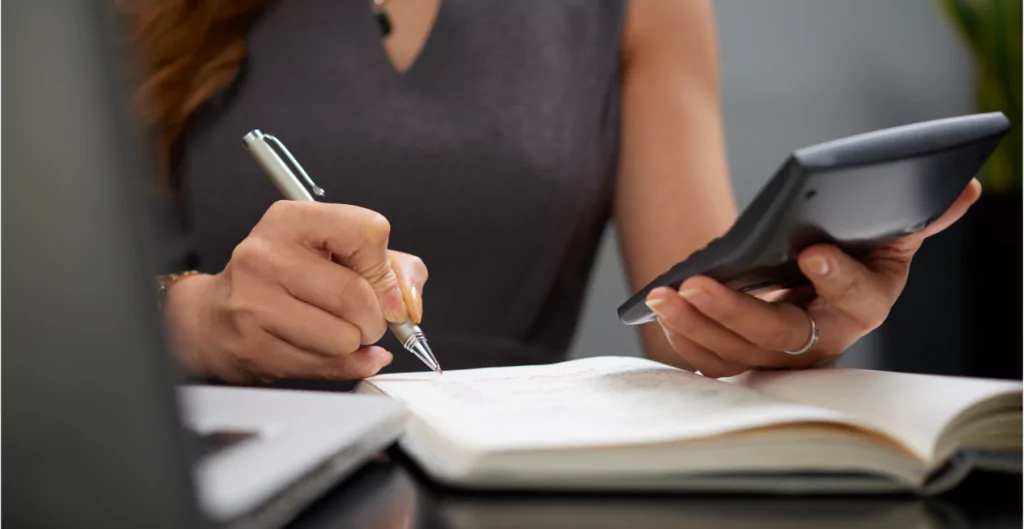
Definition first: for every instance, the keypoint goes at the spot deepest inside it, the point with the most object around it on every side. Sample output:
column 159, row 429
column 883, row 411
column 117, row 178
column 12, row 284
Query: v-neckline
column 424, row 51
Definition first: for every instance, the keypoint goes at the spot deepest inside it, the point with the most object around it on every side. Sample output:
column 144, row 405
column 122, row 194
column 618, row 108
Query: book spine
column 951, row 474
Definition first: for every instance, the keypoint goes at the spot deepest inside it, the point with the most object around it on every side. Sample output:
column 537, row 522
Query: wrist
column 184, row 315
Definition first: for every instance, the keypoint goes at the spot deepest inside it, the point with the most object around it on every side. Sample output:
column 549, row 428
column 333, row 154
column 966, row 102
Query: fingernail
column 692, row 294
column 417, row 304
column 394, row 307
column 386, row 358
column 653, row 304
column 818, row 266
column 977, row 187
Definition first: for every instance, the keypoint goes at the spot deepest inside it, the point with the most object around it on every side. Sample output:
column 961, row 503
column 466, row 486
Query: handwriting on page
column 578, row 401
column 638, row 394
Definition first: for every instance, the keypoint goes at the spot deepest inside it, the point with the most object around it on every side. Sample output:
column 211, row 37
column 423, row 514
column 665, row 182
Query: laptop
column 101, row 430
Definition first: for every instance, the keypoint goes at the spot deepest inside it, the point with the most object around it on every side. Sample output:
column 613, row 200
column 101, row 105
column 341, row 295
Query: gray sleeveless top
column 493, row 157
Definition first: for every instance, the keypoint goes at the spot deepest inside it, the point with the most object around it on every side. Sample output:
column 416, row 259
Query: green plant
column 992, row 30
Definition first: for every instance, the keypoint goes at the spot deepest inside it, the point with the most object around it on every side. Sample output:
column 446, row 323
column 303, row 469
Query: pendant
column 383, row 21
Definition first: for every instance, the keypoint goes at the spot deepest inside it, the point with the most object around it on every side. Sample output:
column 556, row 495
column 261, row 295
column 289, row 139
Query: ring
column 811, row 342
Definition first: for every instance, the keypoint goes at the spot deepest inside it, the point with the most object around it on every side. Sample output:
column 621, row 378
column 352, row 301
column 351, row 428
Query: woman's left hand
column 722, row 332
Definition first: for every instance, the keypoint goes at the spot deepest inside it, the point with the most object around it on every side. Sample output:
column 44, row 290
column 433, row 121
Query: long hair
column 189, row 50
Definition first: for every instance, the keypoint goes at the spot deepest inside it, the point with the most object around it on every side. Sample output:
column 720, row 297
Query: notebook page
column 589, row 402
column 914, row 408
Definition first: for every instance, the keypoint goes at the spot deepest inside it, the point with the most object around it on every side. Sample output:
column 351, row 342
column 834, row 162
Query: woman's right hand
column 303, row 296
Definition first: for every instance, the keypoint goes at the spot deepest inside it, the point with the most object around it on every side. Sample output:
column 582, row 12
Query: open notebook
column 630, row 423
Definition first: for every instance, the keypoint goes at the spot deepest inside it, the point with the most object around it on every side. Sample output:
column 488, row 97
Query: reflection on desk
column 391, row 494
column 767, row 513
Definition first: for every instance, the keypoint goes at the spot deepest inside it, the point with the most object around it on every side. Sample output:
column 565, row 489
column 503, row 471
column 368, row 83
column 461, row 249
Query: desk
column 390, row 493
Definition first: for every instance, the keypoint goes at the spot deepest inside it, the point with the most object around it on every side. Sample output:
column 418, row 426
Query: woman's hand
column 722, row 332
column 303, row 296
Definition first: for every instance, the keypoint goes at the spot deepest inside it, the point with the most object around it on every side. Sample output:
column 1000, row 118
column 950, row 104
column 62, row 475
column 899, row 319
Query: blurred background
column 800, row 72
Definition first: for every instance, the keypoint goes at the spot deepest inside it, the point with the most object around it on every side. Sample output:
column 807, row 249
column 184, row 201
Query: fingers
column 701, row 358
column 845, row 284
column 967, row 198
column 909, row 244
column 677, row 316
column 739, row 329
column 309, row 328
column 412, row 275
column 767, row 329
column 363, row 363
column 309, row 278
column 356, row 237
column 864, row 293
column 283, row 360
column 335, row 289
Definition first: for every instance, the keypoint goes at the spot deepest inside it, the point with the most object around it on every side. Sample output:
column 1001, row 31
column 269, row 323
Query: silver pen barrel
column 276, row 168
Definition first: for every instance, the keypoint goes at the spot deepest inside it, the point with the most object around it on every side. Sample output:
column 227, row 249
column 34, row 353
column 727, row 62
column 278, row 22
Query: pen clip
column 317, row 190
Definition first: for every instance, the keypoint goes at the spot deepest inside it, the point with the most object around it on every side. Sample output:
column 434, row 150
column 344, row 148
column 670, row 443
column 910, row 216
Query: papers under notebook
column 627, row 423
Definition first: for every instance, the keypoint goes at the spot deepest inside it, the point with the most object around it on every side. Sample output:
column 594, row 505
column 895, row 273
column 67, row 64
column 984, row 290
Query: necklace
column 380, row 14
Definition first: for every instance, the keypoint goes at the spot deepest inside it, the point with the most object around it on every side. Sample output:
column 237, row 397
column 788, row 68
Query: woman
column 491, row 140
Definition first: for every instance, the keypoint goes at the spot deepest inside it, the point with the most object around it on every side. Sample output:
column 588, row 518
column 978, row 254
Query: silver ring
column 811, row 342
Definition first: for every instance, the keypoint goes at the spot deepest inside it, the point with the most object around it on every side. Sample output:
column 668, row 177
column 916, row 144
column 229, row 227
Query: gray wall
column 795, row 73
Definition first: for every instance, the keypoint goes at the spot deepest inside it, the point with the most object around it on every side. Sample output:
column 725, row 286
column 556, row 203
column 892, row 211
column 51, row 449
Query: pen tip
column 423, row 352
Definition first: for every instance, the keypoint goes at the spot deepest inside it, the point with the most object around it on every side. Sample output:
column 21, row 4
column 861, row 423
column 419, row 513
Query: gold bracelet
column 165, row 282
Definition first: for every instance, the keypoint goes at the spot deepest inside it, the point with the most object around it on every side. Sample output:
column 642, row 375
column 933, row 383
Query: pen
column 259, row 145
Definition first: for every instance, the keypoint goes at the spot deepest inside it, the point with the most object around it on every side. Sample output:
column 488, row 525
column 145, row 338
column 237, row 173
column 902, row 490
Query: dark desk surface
column 390, row 493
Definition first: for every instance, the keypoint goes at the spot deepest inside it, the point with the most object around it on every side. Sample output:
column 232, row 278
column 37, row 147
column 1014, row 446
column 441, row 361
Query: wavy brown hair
column 189, row 50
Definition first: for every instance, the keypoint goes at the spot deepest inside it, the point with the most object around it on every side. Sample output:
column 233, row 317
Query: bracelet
column 165, row 282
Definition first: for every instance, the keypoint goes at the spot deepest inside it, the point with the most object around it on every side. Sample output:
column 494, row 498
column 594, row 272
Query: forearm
column 665, row 215
column 672, row 202
column 673, row 193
